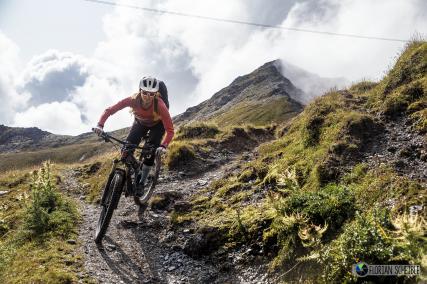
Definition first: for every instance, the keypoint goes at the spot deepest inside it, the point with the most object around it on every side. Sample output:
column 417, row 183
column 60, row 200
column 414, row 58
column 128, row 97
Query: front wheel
column 150, row 184
column 111, row 200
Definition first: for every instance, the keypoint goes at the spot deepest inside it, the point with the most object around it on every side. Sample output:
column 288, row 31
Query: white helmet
column 149, row 84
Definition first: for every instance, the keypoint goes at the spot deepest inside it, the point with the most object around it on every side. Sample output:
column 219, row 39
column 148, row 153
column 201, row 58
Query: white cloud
column 350, row 57
column 137, row 46
column 56, row 117
column 96, row 95
column 51, row 76
column 212, row 54
column 312, row 84
column 10, row 99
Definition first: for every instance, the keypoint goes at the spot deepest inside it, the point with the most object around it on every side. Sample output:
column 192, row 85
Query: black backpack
column 163, row 94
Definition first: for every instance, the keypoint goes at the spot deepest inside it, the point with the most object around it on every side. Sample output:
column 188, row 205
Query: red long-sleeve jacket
column 146, row 117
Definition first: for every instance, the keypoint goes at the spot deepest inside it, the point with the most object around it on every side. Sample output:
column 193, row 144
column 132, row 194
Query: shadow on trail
column 147, row 246
column 119, row 267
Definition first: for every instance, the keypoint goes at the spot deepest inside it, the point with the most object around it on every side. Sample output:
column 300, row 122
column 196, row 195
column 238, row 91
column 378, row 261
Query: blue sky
column 63, row 62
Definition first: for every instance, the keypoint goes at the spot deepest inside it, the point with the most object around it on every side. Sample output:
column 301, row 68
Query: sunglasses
column 145, row 93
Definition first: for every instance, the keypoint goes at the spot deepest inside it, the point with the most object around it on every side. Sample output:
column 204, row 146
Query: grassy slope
column 82, row 151
column 321, row 203
column 66, row 154
column 276, row 110
column 33, row 243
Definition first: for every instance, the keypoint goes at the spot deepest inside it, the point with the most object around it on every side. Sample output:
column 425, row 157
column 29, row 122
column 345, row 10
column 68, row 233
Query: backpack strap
column 156, row 103
column 155, row 111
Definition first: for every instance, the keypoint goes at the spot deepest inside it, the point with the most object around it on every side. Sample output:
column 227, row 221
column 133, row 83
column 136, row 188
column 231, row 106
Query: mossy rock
column 312, row 130
column 397, row 103
column 237, row 140
column 420, row 120
column 362, row 87
column 206, row 240
column 180, row 155
column 197, row 131
column 164, row 200
column 249, row 174
column 412, row 65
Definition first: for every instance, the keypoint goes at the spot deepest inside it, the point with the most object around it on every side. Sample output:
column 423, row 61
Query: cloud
column 56, row 117
column 10, row 99
column 52, row 76
column 353, row 58
column 95, row 96
column 208, row 55
column 137, row 46
column 312, row 84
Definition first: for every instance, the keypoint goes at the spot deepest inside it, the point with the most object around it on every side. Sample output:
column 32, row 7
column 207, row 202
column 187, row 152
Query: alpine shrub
column 47, row 211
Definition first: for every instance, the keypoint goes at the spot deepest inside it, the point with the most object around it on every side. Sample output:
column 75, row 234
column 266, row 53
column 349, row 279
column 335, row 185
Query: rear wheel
column 112, row 197
column 150, row 183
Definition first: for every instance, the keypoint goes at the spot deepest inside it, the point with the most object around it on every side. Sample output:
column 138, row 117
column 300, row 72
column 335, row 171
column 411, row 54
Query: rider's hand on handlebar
column 98, row 130
column 161, row 150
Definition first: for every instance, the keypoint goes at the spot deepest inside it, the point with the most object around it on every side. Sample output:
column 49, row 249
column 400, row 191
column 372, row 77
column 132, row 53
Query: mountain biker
column 151, row 115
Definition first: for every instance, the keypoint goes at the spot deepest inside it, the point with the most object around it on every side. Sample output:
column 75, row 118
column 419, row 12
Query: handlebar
column 108, row 138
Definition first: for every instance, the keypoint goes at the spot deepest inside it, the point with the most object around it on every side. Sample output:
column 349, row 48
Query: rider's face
column 147, row 97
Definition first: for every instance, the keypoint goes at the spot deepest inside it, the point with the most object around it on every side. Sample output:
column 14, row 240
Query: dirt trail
column 141, row 247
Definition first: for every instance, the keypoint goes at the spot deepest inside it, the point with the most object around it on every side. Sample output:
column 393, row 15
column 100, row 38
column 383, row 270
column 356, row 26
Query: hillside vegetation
column 315, row 197
column 38, row 229
column 278, row 110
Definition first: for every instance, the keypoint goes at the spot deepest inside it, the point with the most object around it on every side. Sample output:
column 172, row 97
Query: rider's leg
column 144, row 173
column 154, row 138
column 135, row 135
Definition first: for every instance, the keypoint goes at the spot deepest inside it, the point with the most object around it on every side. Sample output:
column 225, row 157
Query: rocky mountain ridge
column 264, row 84
column 16, row 139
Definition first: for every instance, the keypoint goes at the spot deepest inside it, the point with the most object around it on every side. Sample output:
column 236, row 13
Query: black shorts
column 155, row 135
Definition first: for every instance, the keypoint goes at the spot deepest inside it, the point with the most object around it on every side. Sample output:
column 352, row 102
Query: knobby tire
column 114, row 191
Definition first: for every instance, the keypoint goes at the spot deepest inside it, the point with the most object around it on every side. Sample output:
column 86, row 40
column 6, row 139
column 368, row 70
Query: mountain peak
column 261, row 85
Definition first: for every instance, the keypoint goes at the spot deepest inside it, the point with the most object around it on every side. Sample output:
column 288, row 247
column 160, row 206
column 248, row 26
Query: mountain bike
column 124, row 177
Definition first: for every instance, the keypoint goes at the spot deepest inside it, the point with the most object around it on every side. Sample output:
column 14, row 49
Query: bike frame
column 126, row 165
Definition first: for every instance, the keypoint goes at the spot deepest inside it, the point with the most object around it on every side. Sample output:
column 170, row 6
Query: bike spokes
column 114, row 191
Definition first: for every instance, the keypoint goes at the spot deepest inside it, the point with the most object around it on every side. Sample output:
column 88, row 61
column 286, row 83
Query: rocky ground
column 400, row 147
column 141, row 246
